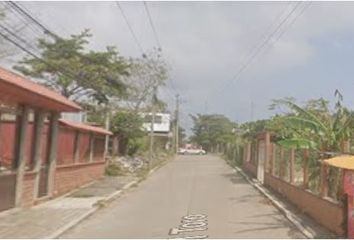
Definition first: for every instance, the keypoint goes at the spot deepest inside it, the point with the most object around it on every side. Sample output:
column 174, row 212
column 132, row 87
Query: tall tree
column 145, row 73
column 66, row 66
column 211, row 131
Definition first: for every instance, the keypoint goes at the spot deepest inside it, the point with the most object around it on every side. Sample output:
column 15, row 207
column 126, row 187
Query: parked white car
column 191, row 151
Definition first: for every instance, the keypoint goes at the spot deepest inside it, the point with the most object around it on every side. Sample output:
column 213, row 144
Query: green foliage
column 251, row 129
column 115, row 169
column 76, row 73
column 211, row 130
column 313, row 126
column 144, row 75
column 127, row 125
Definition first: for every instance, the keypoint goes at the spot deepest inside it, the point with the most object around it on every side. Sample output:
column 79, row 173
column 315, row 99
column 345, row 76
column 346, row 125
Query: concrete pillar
column 324, row 180
column 106, row 140
column 268, row 150
column 281, row 163
column 291, row 166
column 92, row 147
column 274, row 155
column 77, row 147
column 52, row 154
column 37, row 148
column 20, row 154
column 248, row 152
column 306, row 169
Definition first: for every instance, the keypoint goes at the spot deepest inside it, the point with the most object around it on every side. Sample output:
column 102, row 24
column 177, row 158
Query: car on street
column 191, row 151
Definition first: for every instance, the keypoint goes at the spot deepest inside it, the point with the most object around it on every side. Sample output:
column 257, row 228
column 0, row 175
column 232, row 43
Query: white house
column 162, row 123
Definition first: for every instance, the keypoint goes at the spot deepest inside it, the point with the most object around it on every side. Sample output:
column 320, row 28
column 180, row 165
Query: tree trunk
column 115, row 146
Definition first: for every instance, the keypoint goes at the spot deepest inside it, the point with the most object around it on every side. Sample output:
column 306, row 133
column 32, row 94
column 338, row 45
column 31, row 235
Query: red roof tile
column 18, row 89
column 85, row 127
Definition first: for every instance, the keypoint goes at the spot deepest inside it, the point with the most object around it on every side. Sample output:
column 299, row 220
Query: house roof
column 85, row 127
column 17, row 89
column 345, row 162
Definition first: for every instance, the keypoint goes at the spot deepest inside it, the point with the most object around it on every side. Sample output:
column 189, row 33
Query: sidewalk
column 50, row 219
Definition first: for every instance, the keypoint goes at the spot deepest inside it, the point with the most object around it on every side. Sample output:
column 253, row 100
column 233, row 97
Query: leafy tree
column 211, row 130
column 127, row 129
column 314, row 126
column 144, row 75
column 68, row 68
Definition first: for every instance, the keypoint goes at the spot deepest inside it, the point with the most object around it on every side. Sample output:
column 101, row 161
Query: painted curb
column 289, row 215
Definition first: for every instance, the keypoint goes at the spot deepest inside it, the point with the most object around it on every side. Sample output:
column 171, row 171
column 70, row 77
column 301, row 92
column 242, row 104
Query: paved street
column 204, row 192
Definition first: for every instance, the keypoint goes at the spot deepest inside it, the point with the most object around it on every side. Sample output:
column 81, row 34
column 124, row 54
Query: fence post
column 268, row 150
column 52, row 150
column 291, row 166
column 281, row 163
column 274, row 148
column 37, row 148
column 20, row 152
column 323, row 180
column 306, row 169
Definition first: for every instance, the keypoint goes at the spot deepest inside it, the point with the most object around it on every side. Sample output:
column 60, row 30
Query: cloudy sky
column 206, row 44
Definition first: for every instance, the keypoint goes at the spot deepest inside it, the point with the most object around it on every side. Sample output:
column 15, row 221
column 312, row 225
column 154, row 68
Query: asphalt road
column 197, row 196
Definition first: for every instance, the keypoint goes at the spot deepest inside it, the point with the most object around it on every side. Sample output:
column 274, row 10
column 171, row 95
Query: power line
column 152, row 26
column 260, row 48
column 157, row 40
column 29, row 16
column 130, row 29
column 62, row 71
column 290, row 24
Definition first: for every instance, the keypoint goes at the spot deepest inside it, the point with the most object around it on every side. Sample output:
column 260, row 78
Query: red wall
column 329, row 214
column 7, row 140
column 28, row 189
column 66, row 145
column 70, row 177
column 68, row 174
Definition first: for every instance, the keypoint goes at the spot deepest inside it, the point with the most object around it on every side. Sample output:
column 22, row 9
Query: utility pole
column 151, row 153
column 107, row 126
column 177, row 124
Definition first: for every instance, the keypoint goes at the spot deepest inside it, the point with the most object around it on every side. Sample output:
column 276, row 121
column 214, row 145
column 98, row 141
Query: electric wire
column 130, row 29
column 258, row 50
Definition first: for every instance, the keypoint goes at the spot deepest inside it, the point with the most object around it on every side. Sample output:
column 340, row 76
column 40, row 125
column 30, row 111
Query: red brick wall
column 66, row 145
column 84, row 145
column 69, row 177
column 28, row 188
column 329, row 214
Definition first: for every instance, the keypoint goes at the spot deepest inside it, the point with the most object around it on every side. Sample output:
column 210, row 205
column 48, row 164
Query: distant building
column 162, row 123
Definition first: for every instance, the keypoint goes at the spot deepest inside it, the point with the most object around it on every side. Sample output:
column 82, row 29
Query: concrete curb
column 111, row 197
column 308, row 233
column 77, row 220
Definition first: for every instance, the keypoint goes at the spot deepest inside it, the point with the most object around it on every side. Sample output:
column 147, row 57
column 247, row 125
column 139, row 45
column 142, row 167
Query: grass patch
column 116, row 169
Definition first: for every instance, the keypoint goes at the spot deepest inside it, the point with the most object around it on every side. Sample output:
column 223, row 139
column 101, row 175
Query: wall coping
column 327, row 199
column 80, row 164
